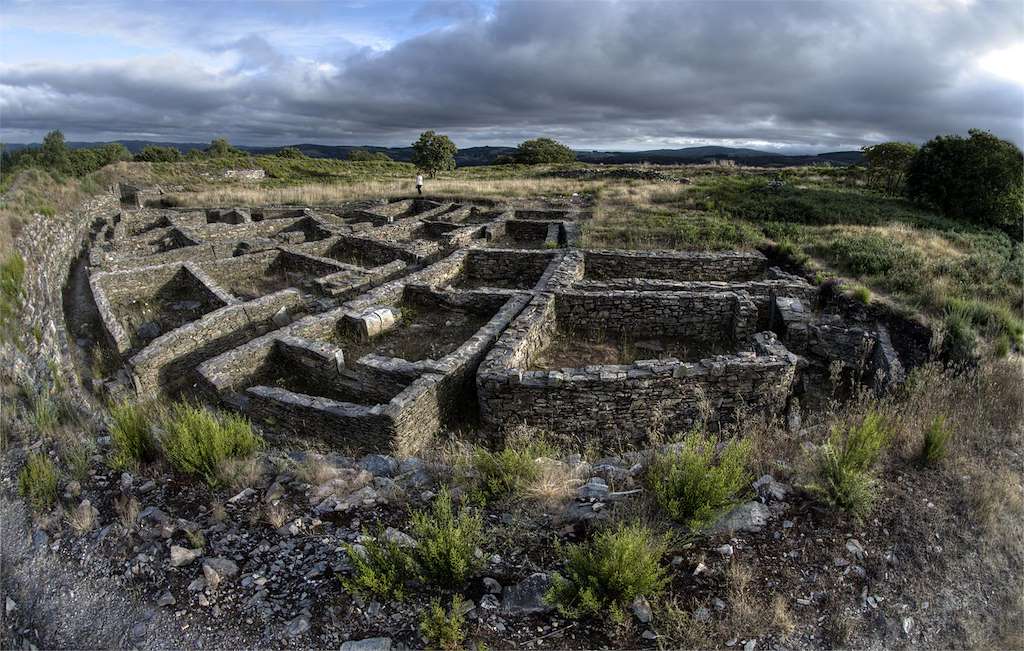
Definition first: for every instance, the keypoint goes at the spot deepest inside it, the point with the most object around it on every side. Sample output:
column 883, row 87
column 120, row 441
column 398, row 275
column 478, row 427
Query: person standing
column 419, row 183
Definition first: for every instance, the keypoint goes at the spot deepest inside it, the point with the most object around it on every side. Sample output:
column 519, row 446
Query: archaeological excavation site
column 408, row 422
column 377, row 325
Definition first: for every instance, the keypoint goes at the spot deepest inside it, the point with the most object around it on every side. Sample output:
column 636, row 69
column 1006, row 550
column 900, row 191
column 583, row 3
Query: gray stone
column 166, row 599
column 399, row 538
column 642, row 610
column 527, row 596
column 369, row 644
column 181, row 556
column 771, row 490
column 491, row 585
column 217, row 569
column 594, row 488
column 297, row 626
column 379, row 464
column 749, row 517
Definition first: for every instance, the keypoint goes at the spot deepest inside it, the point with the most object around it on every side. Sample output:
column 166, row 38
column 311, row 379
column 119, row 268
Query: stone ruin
column 377, row 322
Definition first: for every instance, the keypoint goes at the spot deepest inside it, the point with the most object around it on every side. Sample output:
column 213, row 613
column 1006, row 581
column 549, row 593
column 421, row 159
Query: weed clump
column 381, row 567
column 845, row 476
column 199, row 441
column 693, row 489
column 37, row 482
column 446, row 543
column 609, row 572
column 131, row 436
column 509, row 472
column 935, row 443
column 444, row 630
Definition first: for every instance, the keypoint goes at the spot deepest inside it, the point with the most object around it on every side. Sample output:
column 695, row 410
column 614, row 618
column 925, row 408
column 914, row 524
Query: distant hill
column 472, row 156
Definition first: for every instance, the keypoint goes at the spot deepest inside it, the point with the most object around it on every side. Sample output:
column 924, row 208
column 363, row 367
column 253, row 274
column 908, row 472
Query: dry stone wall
column 381, row 323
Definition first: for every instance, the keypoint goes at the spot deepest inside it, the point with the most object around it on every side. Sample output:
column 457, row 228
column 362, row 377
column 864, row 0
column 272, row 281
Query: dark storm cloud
column 795, row 76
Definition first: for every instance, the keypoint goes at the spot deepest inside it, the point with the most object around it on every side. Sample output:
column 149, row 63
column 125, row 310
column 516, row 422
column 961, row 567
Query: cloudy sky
column 797, row 77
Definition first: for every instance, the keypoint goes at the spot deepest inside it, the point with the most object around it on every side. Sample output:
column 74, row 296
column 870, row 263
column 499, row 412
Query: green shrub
column 75, row 453
column 861, row 293
column 131, row 435
column 37, row 482
column 446, row 543
column 609, row 572
column 693, row 489
column 381, row 570
column 845, row 474
column 44, row 415
column 505, row 474
column 444, row 630
column 198, row 441
column 936, row 442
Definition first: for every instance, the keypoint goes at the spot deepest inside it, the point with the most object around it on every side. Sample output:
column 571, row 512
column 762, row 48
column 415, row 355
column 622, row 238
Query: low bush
column 508, row 472
column 131, row 435
column 935, row 443
column 845, row 476
column 380, row 567
column 37, row 482
column 198, row 441
column 45, row 416
column 609, row 572
column 691, row 487
column 446, row 543
column 444, row 630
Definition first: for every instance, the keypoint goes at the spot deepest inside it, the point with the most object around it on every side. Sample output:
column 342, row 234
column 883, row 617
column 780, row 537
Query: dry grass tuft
column 276, row 515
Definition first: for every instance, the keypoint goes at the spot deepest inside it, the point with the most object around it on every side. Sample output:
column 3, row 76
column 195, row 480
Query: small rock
column 750, row 517
column 702, row 615
column 718, row 604
column 750, row 645
column 908, row 625
column 649, row 635
column 10, row 606
column 126, row 482
column 489, row 602
column 380, row 465
column 491, row 585
column 642, row 610
column 242, row 496
column 182, row 556
column 281, row 319
column 769, row 489
column 369, row 644
column 700, row 569
column 146, row 487
column 217, row 569
column 527, row 596
column 725, row 550
column 594, row 488
column 72, row 489
column 166, row 599
column 297, row 626
column 854, row 547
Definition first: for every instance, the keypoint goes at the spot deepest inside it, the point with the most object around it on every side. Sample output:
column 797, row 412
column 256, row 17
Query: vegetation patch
column 380, row 567
column 37, row 482
column 845, row 475
column 444, row 630
column 609, row 572
column 446, row 542
column 131, row 435
column 693, row 485
column 198, row 441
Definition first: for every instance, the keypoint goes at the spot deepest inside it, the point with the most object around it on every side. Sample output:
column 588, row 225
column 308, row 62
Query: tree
column 887, row 164
column 978, row 179
column 113, row 152
column 220, row 147
column 543, row 150
column 434, row 153
column 54, row 153
column 157, row 154
column 290, row 152
column 365, row 156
